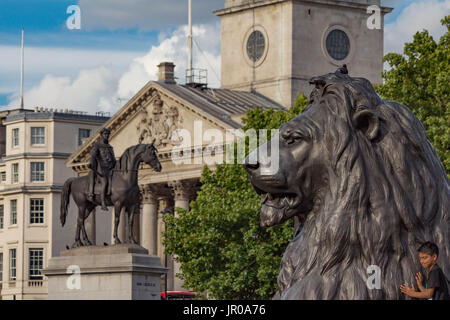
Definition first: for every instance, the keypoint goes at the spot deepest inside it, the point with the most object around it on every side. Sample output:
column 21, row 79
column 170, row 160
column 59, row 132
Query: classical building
column 34, row 147
column 275, row 46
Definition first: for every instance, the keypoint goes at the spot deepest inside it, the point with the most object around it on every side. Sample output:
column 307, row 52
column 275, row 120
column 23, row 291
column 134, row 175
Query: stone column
column 164, row 201
column 149, row 231
column 183, row 192
column 90, row 227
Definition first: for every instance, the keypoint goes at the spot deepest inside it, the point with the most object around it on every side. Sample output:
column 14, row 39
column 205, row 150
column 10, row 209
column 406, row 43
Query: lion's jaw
column 277, row 208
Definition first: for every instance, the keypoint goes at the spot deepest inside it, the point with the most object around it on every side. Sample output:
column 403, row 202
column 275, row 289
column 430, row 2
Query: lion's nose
column 250, row 165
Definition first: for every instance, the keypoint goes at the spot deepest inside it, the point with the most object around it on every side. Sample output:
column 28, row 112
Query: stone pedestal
column 117, row 272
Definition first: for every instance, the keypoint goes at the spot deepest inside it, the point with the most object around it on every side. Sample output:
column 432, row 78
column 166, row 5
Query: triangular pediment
column 153, row 114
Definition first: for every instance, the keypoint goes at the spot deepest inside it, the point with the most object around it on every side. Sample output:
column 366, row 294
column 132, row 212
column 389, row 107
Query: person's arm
column 409, row 291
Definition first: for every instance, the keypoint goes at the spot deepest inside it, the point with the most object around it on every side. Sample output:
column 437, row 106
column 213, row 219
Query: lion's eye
column 292, row 137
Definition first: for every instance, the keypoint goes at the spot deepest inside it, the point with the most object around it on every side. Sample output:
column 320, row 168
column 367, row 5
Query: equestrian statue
column 109, row 183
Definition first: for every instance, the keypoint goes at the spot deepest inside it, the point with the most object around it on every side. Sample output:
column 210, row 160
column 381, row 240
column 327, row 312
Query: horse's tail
column 65, row 198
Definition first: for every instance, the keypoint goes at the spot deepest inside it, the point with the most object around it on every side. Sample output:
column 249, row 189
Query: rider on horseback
column 101, row 165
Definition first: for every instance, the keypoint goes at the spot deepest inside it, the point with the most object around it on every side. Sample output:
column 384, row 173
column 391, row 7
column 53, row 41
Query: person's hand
column 419, row 279
column 407, row 290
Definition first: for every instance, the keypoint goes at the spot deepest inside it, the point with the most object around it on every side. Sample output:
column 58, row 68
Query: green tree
column 419, row 78
column 219, row 243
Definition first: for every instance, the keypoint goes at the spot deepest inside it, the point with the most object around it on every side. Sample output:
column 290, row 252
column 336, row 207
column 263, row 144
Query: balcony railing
column 35, row 283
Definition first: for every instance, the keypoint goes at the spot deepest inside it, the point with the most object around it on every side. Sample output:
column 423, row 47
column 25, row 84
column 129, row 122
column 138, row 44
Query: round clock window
column 255, row 45
column 338, row 44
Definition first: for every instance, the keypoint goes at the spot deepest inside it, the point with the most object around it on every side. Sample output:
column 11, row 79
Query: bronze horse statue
column 124, row 191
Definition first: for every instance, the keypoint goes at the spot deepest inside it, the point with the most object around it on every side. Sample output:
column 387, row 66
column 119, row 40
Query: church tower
column 274, row 47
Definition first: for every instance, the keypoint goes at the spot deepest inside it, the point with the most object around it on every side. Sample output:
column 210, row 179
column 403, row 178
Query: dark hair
column 429, row 248
column 105, row 130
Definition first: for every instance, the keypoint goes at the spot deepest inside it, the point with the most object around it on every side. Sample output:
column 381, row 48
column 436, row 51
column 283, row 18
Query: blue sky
column 45, row 25
column 119, row 41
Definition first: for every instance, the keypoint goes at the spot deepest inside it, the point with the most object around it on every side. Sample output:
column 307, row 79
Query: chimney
column 166, row 72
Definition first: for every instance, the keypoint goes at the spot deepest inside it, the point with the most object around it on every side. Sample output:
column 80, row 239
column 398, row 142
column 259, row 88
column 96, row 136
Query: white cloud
column 99, row 88
column 426, row 14
column 84, row 93
column 62, row 62
column 174, row 49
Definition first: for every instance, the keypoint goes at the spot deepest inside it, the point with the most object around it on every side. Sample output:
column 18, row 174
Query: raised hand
column 419, row 278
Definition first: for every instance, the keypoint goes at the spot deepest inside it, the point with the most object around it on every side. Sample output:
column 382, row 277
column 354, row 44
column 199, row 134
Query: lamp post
column 165, row 211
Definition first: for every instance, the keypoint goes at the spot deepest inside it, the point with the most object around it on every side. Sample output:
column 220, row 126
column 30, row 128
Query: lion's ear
column 367, row 121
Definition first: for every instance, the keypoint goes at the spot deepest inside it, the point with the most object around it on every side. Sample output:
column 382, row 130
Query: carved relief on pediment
column 158, row 122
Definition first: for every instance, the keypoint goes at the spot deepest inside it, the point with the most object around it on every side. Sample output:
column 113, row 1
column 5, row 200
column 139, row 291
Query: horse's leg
column 83, row 228
column 130, row 213
column 117, row 210
column 80, row 224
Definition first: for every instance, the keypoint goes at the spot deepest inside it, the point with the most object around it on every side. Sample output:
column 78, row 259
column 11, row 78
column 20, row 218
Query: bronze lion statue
column 366, row 186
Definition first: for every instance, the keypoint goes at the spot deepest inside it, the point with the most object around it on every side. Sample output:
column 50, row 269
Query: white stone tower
column 275, row 46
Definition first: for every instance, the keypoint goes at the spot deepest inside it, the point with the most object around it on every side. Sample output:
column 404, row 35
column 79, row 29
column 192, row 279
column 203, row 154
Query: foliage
column 420, row 79
column 219, row 243
column 272, row 119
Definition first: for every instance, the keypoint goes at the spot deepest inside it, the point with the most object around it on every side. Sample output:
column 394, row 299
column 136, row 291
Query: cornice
column 58, row 155
column 28, row 189
column 261, row 3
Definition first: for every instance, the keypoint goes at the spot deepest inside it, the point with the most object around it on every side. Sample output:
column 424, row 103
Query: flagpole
column 21, row 73
column 190, row 42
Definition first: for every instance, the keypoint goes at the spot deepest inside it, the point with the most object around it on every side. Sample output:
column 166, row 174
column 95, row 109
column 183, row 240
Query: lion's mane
column 385, row 197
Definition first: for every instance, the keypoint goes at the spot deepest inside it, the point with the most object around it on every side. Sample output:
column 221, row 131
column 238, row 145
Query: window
column 13, row 214
column 255, row 46
column 15, row 172
column 83, row 133
column 3, row 176
column 338, row 44
column 2, row 216
column 1, row 266
column 37, row 135
column 12, row 264
column 37, row 171
column 36, row 263
column 36, row 211
column 15, row 137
